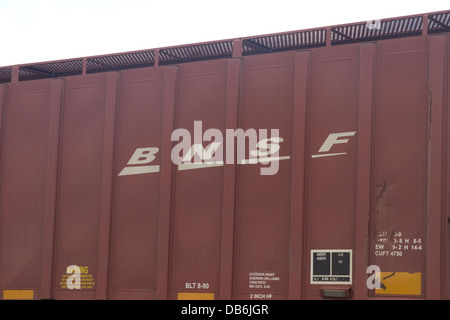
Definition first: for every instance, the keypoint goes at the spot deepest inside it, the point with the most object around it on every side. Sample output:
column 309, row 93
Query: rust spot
column 381, row 191
column 384, row 213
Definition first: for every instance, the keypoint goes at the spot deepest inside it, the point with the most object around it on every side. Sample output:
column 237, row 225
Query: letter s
column 267, row 147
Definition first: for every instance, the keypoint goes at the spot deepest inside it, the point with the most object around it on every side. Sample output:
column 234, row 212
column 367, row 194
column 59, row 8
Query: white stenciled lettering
column 140, row 157
column 192, row 152
column 330, row 141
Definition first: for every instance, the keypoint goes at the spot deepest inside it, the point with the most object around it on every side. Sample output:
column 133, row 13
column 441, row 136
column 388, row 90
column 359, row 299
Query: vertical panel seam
column 51, row 194
column 163, row 282
column 435, row 166
column 365, row 166
column 228, row 236
column 298, row 170
column 109, row 130
column 2, row 117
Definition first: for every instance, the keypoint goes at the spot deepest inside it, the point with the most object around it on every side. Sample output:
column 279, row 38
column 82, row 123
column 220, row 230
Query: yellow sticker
column 400, row 283
column 195, row 296
column 18, row 294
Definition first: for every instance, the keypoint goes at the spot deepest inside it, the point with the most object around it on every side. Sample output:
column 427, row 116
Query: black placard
column 321, row 263
column 340, row 263
column 331, row 266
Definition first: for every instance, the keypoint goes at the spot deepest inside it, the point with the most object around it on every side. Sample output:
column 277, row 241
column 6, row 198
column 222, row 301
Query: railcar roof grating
column 285, row 41
column 377, row 30
column 191, row 53
column 438, row 22
column 121, row 61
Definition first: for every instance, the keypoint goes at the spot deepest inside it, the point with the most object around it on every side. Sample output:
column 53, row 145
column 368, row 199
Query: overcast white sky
column 43, row 30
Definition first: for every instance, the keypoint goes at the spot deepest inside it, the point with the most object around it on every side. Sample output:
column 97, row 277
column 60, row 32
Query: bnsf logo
column 139, row 162
column 187, row 156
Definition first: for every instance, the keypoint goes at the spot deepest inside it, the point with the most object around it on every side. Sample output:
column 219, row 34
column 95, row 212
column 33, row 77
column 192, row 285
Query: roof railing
column 415, row 25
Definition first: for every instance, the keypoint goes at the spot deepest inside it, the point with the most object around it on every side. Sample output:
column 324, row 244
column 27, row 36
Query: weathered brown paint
column 175, row 233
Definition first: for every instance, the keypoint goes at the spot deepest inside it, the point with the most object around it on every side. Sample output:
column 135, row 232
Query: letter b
column 143, row 155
